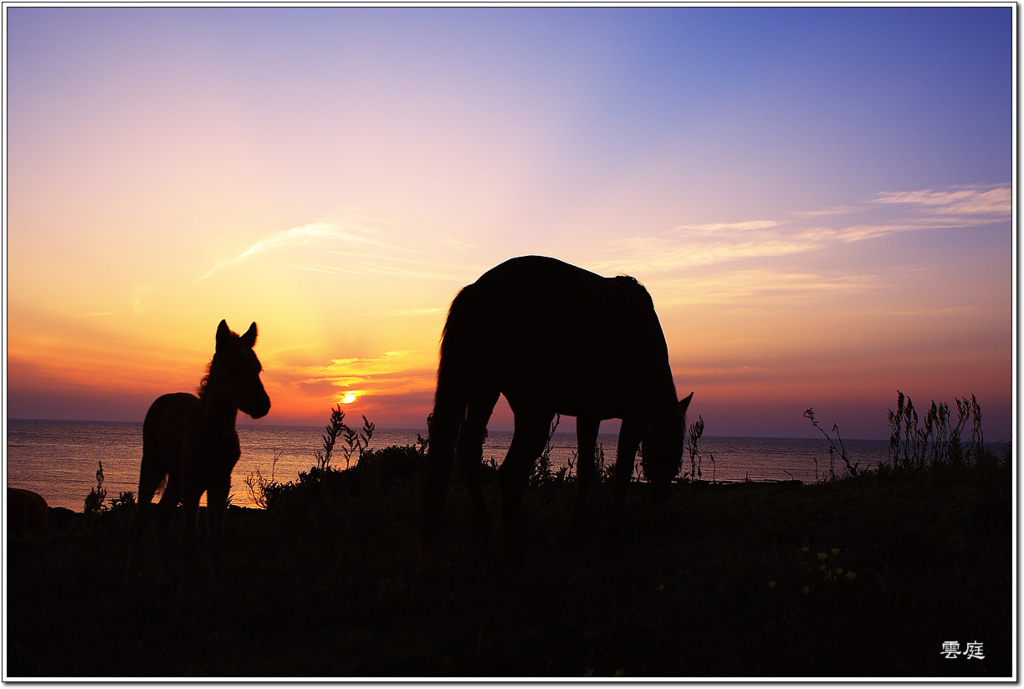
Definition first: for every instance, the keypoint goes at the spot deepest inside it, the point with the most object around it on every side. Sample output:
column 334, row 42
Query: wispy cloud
column 679, row 248
column 837, row 210
column 730, row 226
column 297, row 236
column 975, row 203
column 889, row 213
column 748, row 286
column 141, row 298
column 456, row 243
column 353, row 249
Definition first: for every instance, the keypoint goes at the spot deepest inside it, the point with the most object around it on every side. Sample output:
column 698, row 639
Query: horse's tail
column 459, row 349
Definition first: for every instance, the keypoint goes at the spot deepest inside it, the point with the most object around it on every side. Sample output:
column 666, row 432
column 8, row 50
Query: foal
column 191, row 442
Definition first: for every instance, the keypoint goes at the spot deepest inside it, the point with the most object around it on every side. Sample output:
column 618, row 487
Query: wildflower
column 851, row 575
column 806, row 590
column 805, row 549
column 839, row 571
column 835, row 551
column 822, row 556
column 771, row 584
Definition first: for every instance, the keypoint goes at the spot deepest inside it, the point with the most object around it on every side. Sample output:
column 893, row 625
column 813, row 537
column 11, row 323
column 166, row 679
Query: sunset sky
column 819, row 200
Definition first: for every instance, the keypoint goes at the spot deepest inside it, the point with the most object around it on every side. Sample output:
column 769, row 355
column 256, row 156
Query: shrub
column 261, row 488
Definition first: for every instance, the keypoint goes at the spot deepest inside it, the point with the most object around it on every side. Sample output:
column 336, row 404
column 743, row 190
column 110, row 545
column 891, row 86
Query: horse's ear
column 249, row 338
column 685, row 403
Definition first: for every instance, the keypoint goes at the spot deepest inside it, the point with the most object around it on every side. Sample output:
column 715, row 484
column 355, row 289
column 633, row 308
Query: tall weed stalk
column 542, row 469
column 694, row 432
column 95, row 501
column 833, row 450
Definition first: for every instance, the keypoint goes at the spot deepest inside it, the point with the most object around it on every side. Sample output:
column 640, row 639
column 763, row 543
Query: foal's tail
column 459, row 349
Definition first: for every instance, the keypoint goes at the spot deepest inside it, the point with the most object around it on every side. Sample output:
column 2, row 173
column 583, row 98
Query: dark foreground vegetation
column 868, row 576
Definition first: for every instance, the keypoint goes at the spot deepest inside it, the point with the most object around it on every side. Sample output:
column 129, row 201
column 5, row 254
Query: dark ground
column 721, row 581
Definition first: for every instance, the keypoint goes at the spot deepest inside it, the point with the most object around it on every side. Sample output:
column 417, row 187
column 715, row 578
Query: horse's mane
column 630, row 280
column 636, row 287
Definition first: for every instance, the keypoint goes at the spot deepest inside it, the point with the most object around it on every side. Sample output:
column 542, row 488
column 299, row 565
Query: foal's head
column 663, row 444
column 235, row 372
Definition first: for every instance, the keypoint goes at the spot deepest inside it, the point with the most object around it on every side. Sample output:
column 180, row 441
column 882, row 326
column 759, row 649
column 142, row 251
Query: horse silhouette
column 191, row 442
column 554, row 339
column 26, row 511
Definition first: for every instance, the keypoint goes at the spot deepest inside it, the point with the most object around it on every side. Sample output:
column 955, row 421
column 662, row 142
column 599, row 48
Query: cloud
column 975, row 201
column 838, row 210
column 391, row 372
column 353, row 249
column 728, row 226
column 298, row 236
column 893, row 212
column 141, row 298
column 743, row 286
column 682, row 248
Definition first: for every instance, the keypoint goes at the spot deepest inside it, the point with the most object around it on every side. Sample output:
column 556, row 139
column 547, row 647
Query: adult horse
column 554, row 339
column 191, row 441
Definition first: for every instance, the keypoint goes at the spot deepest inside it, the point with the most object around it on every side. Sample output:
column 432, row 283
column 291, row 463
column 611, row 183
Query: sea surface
column 59, row 459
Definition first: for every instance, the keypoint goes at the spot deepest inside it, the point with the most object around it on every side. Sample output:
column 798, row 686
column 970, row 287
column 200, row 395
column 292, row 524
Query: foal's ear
column 223, row 332
column 249, row 338
column 685, row 403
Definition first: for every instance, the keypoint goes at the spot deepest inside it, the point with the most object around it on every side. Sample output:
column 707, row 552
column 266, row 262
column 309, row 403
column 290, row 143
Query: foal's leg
column 531, row 433
column 629, row 440
column 151, row 475
column 216, row 505
column 470, row 450
column 586, row 442
column 189, row 542
column 164, row 513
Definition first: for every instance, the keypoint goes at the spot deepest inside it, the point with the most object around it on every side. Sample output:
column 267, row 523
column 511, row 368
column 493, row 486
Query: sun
column 349, row 397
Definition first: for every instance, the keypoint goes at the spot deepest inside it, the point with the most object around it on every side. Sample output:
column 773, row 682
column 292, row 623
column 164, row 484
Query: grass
column 720, row 581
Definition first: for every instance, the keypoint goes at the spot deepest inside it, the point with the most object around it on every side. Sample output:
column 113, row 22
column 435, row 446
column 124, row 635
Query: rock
column 26, row 511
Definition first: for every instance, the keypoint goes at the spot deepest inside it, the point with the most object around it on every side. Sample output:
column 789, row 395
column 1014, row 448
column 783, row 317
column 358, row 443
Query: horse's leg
column 586, row 442
column 164, row 513
column 470, row 450
column 443, row 434
column 151, row 475
column 531, row 433
column 216, row 505
column 189, row 542
column 630, row 434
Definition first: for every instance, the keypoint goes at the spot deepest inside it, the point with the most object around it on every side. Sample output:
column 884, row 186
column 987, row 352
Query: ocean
column 59, row 459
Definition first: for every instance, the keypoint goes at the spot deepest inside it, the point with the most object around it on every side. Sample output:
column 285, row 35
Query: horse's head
column 236, row 371
column 662, row 447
